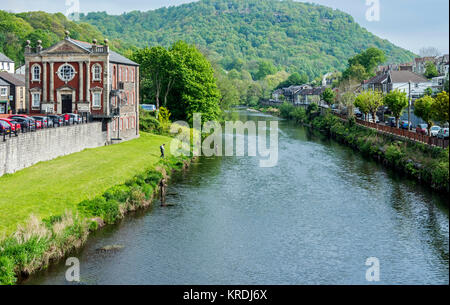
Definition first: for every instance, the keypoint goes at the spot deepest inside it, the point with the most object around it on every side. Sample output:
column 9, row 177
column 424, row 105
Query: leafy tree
column 431, row 70
column 397, row 101
column 158, row 71
column 195, row 89
column 265, row 68
column 369, row 59
column 328, row 96
column 355, row 72
column 423, row 108
column 440, row 108
column 369, row 101
column 294, row 79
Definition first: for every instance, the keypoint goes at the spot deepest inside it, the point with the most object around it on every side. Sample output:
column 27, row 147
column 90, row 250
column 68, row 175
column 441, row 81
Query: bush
column 299, row 114
column 148, row 123
column 7, row 274
column 108, row 210
column 440, row 176
column 286, row 109
column 394, row 155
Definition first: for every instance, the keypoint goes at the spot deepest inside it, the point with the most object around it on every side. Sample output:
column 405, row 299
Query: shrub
column 440, row 176
column 394, row 154
column 286, row 109
column 7, row 274
column 148, row 123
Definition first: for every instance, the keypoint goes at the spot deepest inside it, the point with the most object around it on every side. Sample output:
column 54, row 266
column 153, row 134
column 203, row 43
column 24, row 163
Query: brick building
column 85, row 78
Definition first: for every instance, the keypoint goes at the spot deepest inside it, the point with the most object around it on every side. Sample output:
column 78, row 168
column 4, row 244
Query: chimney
column 106, row 41
column 67, row 33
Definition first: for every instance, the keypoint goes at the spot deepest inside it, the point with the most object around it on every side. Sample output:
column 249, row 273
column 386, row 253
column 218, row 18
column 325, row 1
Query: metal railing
column 432, row 141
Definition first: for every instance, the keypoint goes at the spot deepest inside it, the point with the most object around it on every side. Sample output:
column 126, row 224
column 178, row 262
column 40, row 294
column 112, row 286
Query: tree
column 369, row 59
column 195, row 89
column 328, row 96
column 347, row 99
column 265, row 68
column 430, row 70
column 369, row 101
column 423, row 108
column 157, row 72
column 294, row 79
column 397, row 101
column 362, row 103
column 355, row 72
column 440, row 108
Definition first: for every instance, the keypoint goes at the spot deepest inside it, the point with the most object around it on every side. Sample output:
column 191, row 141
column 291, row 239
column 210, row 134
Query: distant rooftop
column 15, row 79
column 407, row 76
column 113, row 56
column 4, row 58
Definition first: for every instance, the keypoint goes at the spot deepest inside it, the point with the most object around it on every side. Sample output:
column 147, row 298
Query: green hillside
column 297, row 37
column 16, row 29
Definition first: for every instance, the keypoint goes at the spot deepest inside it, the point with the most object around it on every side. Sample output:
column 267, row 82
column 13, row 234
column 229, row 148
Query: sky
column 411, row 24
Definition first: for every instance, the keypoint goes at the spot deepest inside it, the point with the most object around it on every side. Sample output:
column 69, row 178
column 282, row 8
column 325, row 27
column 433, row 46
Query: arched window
column 36, row 73
column 96, row 72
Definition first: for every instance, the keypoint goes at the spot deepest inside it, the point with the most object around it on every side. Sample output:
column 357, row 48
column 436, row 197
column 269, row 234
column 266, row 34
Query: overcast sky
column 411, row 24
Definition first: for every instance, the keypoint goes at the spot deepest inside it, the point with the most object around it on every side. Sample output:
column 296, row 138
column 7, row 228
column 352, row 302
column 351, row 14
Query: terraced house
column 86, row 78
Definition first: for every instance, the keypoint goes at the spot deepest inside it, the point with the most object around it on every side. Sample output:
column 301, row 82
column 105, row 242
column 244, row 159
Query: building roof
column 312, row 91
column 113, row 56
column 5, row 58
column 406, row 76
column 3, row 83
column 14, row 79
column 377, row 79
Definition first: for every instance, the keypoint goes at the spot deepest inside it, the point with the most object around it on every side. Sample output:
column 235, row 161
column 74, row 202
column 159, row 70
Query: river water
column 315, row 218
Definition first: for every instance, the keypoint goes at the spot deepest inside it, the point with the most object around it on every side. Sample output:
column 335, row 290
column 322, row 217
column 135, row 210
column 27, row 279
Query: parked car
column 391, row 122
column 67, row 120
column 76, row 119
column 46, row 122
column 5, row 128
column 443, row 133
column 404, row 124
column 25, row 121
column 56, row 119
column 148, row 107
column 421, row 129
column 435, row 130
column 14, row 124
column 358, row 113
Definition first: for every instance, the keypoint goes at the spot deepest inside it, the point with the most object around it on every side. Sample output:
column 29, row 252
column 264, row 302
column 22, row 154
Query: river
column 315, row 218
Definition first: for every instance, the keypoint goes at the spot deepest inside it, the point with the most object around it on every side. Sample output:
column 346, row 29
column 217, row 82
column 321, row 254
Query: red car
column 422, row 129
column 38, row 123
column 12, row 123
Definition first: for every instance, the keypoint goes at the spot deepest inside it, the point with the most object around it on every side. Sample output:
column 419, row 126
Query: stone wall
column 17, row 153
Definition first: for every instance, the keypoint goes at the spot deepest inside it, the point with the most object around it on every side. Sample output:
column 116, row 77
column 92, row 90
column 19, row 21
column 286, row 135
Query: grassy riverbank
column 426, row 164
column 52, row 206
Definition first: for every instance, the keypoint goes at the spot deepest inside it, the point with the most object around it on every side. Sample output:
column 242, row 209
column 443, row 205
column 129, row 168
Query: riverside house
column 86, row 78
column 17, row 91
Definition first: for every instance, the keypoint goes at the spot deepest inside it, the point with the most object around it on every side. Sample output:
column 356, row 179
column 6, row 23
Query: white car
column 435, row 130
column 443, row 133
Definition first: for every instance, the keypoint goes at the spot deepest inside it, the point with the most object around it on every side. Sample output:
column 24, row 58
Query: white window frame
column 5, row 90
column 33, row 74
column 35, row 103
column 94, row 100
column 94, row 72
column 72, row 76
column 120, row 74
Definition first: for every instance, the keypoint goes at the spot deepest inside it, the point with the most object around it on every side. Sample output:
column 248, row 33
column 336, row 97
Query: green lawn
column 49, row 188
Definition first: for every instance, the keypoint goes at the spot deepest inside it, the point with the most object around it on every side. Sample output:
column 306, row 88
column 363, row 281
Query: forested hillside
column 297, row 37
column 16, row 29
